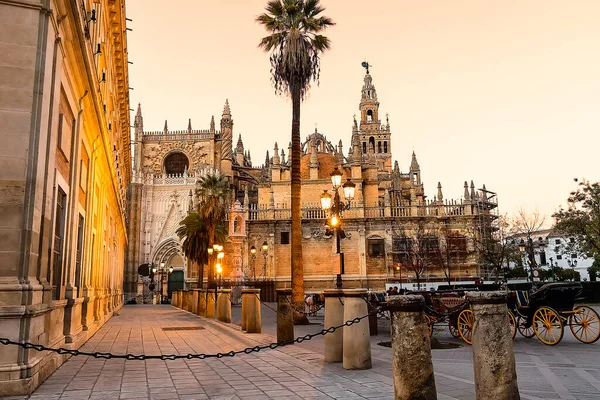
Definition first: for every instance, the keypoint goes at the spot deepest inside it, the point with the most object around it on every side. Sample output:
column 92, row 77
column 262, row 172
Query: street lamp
column 265, row 251
column 572, row 264
column 528, row 248
column 253, row 253
column 335, row 209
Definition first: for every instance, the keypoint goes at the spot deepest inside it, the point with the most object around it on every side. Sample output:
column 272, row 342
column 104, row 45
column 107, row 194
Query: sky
column 504, row 93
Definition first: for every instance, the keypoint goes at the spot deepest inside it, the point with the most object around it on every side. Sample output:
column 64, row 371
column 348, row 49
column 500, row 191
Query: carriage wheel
column 430, row 323
column 465, row 325
column 585, row 324
column 513, row 325
column 453, row 330
column 525, row 332
column 548, row 326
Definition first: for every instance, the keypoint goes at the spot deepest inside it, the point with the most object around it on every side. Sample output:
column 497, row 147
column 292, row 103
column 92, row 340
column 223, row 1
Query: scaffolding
column 486, row 204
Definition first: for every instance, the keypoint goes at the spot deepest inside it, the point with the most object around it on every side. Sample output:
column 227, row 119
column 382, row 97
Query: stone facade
column 390, row 208
column 64, row 124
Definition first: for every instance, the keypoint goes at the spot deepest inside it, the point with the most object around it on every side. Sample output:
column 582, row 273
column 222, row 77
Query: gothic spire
column 466, row 193
column 189, row 125
column 473, row 195
column 440, row 196
column 267, row 160
column 212, row 124
column 166, row 128
column 239, row 148
column 226, row 109
column 276, row 159
column 414, row 165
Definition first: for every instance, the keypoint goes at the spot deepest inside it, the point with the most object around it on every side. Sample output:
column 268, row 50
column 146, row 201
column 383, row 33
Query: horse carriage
column 544, row 313
column 547, row 311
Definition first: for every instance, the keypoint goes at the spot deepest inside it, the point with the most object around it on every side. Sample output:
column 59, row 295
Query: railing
column 311, row 211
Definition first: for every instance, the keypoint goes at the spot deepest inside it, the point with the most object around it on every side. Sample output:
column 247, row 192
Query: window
column 285, row 238
column 364, row 147
column 379, row 147
column 557, row 241
column 385, row 149
column 457, row 244
column 176, row 163
column 543, row 258
column 571, row 240
column 429, row 244
column 369, row 115
column 376, row 248
column 372, row 143
column 559, row 256
column 237, row 225
column 60, row 130
column 59, row 237
column 402, row 245
column 574, row 255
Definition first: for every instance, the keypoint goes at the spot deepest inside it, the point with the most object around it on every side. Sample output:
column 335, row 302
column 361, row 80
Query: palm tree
column 205, row 226
column 295, row 44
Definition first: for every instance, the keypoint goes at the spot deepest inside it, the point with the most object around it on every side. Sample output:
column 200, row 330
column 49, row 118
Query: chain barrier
column 381, row 311
column 200, row 356
column 265, row 304
column 310, row 313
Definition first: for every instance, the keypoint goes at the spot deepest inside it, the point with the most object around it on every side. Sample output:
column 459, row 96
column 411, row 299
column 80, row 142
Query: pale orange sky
column 506, row 93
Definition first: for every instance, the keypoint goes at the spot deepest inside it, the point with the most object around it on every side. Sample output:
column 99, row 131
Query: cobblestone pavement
column 570, row 370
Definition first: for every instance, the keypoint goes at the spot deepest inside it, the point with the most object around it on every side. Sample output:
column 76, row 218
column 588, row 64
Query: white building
column 550, row 250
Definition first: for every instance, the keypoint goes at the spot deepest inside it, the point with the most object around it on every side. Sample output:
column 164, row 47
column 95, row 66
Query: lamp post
column 335, row 210
column 572, row 264
column 253, row 253
column 528, row 247
column 265, row 252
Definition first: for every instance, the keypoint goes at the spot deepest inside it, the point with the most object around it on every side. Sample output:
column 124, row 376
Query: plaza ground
column 570, row 370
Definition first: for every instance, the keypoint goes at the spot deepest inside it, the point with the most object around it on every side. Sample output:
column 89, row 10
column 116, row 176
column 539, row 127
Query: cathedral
column 393, row 232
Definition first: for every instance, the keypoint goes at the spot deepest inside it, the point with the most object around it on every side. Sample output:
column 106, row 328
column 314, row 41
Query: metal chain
column 310, row 313
column 264, row 303
column 201, row 356
column 381, row 312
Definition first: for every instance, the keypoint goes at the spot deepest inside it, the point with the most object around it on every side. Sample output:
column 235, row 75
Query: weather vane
column 366, row 66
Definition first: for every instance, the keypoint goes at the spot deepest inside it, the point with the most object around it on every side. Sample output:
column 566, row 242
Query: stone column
column 184, row 300
column 334, row 316
column 253, row 318
column 174, row 298
column 194, row 307
column 357, row 339
column 493, row 355
column 210, row 304
column 224, row 305
column 245, row 296
column 412, row 369
column 202, row 303
column 285, row 316
column 190, row 300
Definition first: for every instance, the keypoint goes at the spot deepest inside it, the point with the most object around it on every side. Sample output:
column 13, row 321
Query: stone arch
column 176, row 162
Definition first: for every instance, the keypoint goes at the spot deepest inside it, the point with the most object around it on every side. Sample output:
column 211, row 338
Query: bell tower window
column 176, row 163
column 369, row 115
column 385, row 149
column 379, row 147
column 364, row 147
column 372, row 143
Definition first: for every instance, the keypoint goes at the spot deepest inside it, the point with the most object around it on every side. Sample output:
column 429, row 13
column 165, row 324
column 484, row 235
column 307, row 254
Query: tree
column 452, row 251
column 205, row 226
column 581, row 219
column 497, row 248
column 295, row 43
column 417, row 251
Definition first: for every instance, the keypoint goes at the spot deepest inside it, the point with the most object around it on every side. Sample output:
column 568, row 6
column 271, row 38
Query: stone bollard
column 493, row 355
column 224, row 305
column 247, row 294
column 285, row 316
column 412, row 368
column 357, row 339
column 174, row 298
column 253, row 318
column 202, row 303
column 190, row 303
column 194, row 305
column 184, row 300
column 210, row 304
column 333, row 343
column 179, row 299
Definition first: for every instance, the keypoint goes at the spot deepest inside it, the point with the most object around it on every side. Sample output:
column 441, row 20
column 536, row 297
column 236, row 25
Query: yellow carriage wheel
column 465, row 325
column 513, row 325
column 430, row 323
column 548, row 326
column 585, row 324
column 525, row 332
column 453, row 330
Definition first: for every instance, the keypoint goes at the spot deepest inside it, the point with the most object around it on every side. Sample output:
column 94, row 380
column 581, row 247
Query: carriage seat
column 522, row 298
column 451, row 302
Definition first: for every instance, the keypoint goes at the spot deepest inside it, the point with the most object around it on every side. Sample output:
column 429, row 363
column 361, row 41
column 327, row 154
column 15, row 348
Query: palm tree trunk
column 297, row 271
column 211, row 263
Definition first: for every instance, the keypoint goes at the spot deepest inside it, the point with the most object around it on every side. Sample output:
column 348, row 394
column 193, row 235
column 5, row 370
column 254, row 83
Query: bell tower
column 373, row 134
